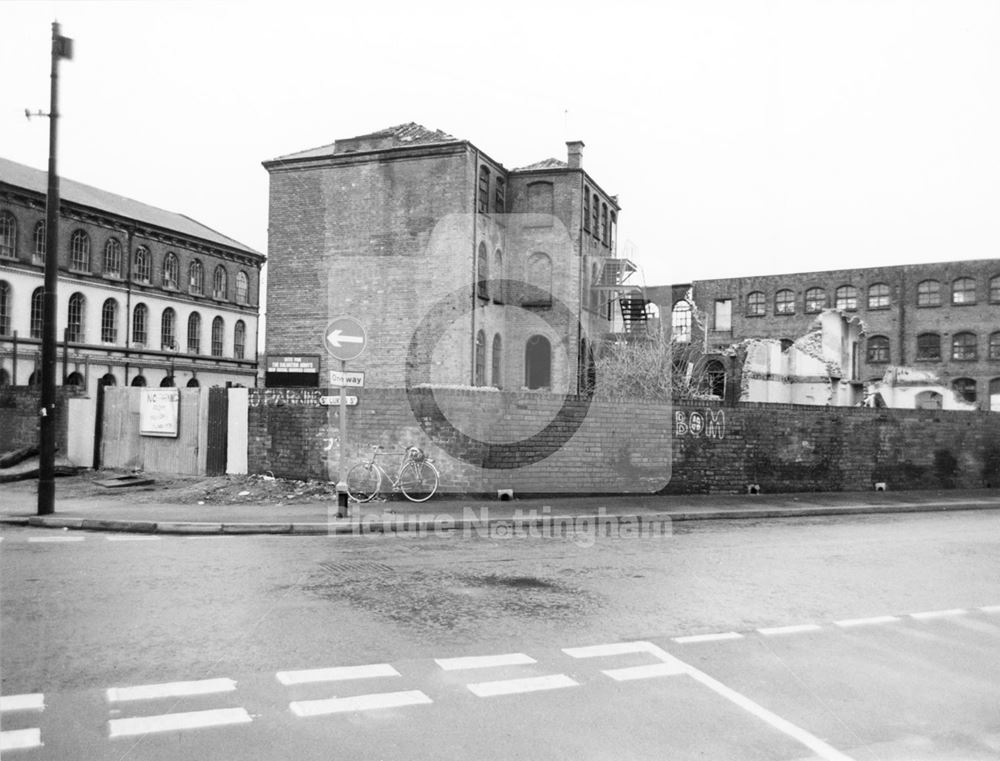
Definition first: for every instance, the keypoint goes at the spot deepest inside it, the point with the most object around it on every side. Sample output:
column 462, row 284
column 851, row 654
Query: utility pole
column 62, row 47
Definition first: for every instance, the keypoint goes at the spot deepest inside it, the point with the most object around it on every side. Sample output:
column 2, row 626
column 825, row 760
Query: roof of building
column 545, row 164
column 70, row 191
column 400, row 136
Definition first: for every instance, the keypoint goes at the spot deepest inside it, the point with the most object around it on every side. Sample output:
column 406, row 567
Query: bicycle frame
column 416, row 478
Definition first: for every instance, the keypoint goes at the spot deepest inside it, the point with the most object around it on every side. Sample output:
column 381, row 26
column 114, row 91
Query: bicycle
column 417, row 477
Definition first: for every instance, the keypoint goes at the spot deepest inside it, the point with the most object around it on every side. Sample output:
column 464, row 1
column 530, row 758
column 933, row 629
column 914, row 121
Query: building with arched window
column 120, row 300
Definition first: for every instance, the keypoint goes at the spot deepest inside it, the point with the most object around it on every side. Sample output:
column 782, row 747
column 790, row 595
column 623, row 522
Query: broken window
column 963, row 346
column 784, row 302
column 995, row 395
column 878, row 349
column 815, row 300
column 846, row 298
column 538, row 362
column 878, row 296
column 680, row 322
column 929, row 346
column 724, row 314
column 963, row 291
column 929, row 293
column 965, row 389
column 929, row 400
column 715, row 377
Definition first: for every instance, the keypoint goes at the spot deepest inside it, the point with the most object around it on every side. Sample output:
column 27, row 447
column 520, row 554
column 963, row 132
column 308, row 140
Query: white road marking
column 794, row 629
column 132, row 538
column 514, row 686
column 29, row 702
column 359, row 703
column 142, row 725
column 923, row 615
column 848, row 622
column 600, row 651
column 646, row 672
column 55, row 538
column 336, row 674
column 170, row 690
column 990, row 608
column 484, row 661
column 708, row 637
column 20, row 739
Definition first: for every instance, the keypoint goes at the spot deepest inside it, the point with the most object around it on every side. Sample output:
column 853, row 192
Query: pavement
column 116, row 512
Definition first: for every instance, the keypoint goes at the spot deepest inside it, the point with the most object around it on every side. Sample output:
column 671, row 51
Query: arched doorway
column 715, row 378
column 538, row 362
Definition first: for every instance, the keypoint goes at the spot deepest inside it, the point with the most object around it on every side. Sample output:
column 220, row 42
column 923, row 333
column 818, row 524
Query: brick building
column 462, row 271
column 146, row 296
column 932, row 326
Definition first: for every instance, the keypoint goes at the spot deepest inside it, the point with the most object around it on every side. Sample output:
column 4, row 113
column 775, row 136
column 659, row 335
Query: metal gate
column 218, row 431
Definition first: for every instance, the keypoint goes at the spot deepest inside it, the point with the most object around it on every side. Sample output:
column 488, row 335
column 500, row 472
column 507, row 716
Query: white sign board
column 159, row 411
column 344, row 338
column 333, row 401
column 345, row 379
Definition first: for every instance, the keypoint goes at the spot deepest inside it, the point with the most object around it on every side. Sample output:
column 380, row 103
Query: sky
column 741, row 136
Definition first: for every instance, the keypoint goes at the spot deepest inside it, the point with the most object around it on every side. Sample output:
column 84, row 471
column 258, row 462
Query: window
column 846, row 298
column 965, row 389
column 878, row 296
column 479, row 378
column 929, row 400
column 218, row 336
column 138, row 381
column 784, row 302
column 4, row 308
column 613, row 243
column 484, row 190
column 242, row 288
column 40, row 233
column 141, row 265
column 595, row 211
column 220, row 283
column 37, row 312
column 538, row 362
column 4, row 377
column 724, row 314
column 140, row 320
column 109, row 322
column 994, row 350
column 74, row 319
column 995, row 395
column 963, row 291
column 963, row 346
column 8, row 235
column 929, row 346
column 171, row 271
column 79, row 251
column 680, row 322
column 482, row 273
column 995, row 290
column 168, row 327
column 108, row 379
column 586, row 208
column 878, row 349
column 815, row 300
column 194, row 333
column 604, row 225
column 498, row 277
column 239, row 339
column 756, row 304
column 499, row 197
column 193, row 383
column 73, row 379
column 196, row 278
column 497, row 349
column 715, row 378
column 539, row 287
column 167, row 382
column 113, row 258
column 929, row 293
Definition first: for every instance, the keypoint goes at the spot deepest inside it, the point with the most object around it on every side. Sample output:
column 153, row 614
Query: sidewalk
column 116, row 512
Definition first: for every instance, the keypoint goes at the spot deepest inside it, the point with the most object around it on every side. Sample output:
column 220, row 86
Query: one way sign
column 345, row 338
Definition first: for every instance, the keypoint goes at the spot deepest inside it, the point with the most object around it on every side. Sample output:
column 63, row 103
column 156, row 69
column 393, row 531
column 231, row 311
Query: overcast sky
column 741, row 136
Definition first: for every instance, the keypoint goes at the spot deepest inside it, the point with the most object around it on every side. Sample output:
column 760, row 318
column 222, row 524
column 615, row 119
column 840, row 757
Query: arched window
column 815, row 300
column 75, row 318
column 74, row 379
column 35, row 378
column 928, row 293
column 220, row 283
column 500, row 195
column 929, row 346
column 193, row 383
column 586, row 208
column 539, row 280
column 479, row 378
column 239, row 339
column 878, row 349
column 994, row 344
column 846, row 298
column 605, row 236
column 963, row 346
column 194, row 333
column 784, row 302
column 496, row 376
column 167, row 382
column 680, row 322
column 196, row 278
column 878, row 296
column 79, row 251
column 484, row 190
column 40, row 242
column 218, row 336
column 109, row 322
column 963, row 291
column 37, row 312
column 139, row 380
column 8, row 235
column 595, row 211
column 171, row 271
column 613, row 233
column 108, row 379
column 168, row 329
column 242, row 287
column 141, row 265
column 538, row 362
column 995, row 290
column 140, row 325
column 756, row 304
column 4, row 308
column 965, row 389
column 715, row 378
column 482, row 272
column 497, row 277
column 113, row 258
column 929, row 400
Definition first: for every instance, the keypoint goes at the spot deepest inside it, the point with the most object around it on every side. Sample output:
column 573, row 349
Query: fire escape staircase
column 612, row 284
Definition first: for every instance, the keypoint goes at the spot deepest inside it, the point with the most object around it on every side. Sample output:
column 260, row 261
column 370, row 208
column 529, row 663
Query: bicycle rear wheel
column 363, row 482
column 418, row 481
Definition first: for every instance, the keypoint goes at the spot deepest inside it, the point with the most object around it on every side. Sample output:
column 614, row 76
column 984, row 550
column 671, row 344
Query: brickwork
column 19, row 407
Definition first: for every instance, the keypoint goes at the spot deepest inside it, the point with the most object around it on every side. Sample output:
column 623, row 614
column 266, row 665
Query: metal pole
column 341, row 468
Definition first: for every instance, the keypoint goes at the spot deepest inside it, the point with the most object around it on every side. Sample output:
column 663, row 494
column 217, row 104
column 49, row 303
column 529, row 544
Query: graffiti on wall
column 280, row 397
column 708, row 423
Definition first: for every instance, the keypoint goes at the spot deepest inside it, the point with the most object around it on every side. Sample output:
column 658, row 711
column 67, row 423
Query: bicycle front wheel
column 363, row 482
column 418, row 481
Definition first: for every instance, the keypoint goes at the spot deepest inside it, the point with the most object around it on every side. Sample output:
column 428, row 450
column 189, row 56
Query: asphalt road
column 853, row 638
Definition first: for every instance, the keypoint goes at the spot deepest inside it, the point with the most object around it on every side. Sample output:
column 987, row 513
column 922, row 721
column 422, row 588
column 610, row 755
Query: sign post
column 344, row 339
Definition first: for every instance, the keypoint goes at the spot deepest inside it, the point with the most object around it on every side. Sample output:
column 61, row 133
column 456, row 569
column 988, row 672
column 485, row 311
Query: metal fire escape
column 612, row 285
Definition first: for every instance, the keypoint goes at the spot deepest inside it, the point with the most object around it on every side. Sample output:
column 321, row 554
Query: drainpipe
column 902, row 319
column 128, row 298
column 581, row 361
column 475, row 225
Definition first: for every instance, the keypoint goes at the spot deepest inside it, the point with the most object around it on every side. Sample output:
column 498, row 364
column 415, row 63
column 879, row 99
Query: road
column 871, row 637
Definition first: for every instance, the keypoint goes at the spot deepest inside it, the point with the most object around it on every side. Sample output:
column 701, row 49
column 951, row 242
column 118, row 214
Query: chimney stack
column 574, row 153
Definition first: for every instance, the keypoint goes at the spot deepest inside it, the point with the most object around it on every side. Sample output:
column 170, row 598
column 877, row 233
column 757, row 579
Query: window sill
column 928, row 306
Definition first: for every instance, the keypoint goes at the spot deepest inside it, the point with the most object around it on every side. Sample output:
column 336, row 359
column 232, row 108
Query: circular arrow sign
column 344, row 338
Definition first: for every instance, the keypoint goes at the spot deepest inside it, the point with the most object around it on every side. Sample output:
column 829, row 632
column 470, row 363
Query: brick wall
column 19, row 416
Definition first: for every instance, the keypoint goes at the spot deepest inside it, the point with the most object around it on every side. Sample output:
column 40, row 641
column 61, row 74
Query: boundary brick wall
column 19, row 416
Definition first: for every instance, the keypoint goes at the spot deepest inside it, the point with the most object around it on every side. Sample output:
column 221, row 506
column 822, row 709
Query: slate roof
column 70, row 191
column 400, row 136
column 546, row 164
